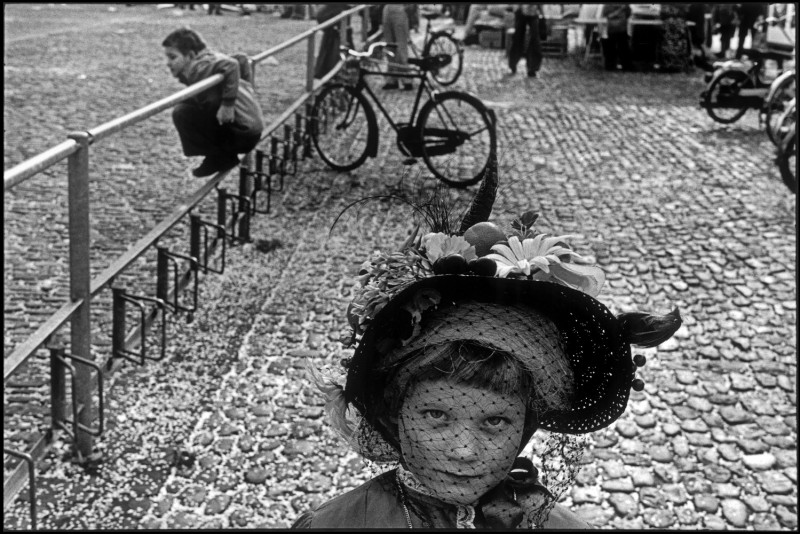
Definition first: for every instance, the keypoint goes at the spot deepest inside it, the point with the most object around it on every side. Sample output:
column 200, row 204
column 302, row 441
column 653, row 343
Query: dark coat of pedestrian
column 616, row 46
column 220, row 122
column 749, row 13
column 724, row 21
column 526, row 21
column 331, row 41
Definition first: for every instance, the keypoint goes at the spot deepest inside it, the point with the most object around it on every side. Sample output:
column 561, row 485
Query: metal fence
column 82, row 418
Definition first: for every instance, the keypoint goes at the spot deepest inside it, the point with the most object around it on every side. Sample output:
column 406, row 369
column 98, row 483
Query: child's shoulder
column 372, row 504
column 562, row 517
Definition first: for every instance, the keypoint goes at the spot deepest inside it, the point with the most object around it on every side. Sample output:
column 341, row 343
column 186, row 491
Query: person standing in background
column 526, row 16
column 329, row 46
column 749, row 13
column 616, row 45
column 723, row 19
column 398, row 20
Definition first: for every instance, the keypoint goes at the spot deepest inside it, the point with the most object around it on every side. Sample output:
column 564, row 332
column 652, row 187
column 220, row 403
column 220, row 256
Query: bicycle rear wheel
column 719, row 99
column 787, row 160
column 341, row 126
column 444, row 43
column 458, row 135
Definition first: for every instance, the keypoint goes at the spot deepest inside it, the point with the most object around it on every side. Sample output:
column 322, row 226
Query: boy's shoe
column 407, row 86
column 391, row 85
column 214, row 164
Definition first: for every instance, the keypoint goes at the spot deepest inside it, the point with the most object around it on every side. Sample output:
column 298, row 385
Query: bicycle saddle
column 430, row 15
column 757, row 55
column 431, row 62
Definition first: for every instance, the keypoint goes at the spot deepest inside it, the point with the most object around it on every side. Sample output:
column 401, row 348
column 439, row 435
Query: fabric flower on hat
column 547, row 258
column 439, row 245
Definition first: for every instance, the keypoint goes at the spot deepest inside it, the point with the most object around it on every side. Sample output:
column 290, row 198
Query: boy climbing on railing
column 223, row 121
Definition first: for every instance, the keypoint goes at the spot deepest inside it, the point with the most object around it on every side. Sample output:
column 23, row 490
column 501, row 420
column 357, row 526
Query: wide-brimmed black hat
column 438, row 281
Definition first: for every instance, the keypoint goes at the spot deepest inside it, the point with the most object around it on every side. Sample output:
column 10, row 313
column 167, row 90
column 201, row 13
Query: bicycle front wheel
column 458, row 135
column 341, row 126
column 720, row 98
column 444, row 44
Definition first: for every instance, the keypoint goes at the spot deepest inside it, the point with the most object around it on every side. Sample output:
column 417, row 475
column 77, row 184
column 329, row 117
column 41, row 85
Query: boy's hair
column 185, row 40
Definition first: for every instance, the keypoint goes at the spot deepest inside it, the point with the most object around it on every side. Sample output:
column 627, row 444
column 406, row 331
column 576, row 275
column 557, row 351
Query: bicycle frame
column 362, row 86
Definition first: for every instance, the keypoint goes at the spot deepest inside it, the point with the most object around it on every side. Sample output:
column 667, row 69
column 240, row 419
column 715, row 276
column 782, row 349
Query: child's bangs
column 470, row 363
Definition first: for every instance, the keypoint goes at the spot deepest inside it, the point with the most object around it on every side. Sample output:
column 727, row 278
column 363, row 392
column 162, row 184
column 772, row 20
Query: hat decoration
column 427, row 268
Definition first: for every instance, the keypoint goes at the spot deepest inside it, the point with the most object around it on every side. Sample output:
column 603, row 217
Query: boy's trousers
column 202, row 135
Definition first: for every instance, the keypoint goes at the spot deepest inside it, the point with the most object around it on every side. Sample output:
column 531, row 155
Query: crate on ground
column 556, row 43
column 492, row 38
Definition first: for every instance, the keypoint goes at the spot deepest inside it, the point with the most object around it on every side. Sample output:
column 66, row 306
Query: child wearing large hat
column 467, row 343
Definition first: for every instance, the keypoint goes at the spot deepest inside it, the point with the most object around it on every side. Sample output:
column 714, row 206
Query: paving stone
column 645, row 421
column 218, row 504
column 670, row 429
column 256, row 475
column 618, row 484
column 726, row 490
column 642, row 477
column 659, row 518
column 624, row 504
column 735, row 512
column 652, row 498
column 752, row 446
column 764, row 521
column 626, row 429
column 786, row 517
column 756, row 503
column 774, row 482
column 661, row 453
column 694, row 425
column 759, row 462
column 582, row 494
column 712, row 522
column 706, row 503
column 675, row 493
column 735, row 416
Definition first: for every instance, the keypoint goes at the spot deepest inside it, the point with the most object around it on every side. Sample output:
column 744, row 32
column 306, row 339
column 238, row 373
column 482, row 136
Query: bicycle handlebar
column 371, row 50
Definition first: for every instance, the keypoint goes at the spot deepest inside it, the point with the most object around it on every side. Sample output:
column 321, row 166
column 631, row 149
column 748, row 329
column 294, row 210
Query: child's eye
column 496, row 421
column 436, row 415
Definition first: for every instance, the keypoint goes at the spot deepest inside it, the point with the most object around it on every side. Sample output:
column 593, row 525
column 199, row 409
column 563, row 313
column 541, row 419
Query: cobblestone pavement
column 680, row 211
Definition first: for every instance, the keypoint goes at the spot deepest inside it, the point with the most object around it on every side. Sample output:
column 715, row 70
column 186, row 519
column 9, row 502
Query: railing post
column 80, row 280
column 343, row 25
column 310, row 62
column 364, row 26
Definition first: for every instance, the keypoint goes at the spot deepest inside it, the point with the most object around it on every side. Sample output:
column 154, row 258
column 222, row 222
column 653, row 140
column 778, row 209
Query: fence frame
column 82, row 289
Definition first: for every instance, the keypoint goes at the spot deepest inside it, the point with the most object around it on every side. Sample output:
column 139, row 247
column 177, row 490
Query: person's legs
column 609, row 53
column 534, row 55
column 517, row 43
column 725, row 36
column 745, row 27
column 624, row 51
column 198, row 129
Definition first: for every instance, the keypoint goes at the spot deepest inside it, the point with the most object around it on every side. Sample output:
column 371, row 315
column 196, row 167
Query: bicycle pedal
column 409, row 161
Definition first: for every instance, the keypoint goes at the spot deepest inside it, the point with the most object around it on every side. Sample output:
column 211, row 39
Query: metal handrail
column 76, row 149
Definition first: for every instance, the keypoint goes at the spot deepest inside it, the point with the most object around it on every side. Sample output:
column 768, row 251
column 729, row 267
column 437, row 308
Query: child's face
column 176, row 61
column 460, row 441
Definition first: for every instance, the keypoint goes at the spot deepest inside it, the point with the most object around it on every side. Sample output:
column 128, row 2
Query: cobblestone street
column 228, row 432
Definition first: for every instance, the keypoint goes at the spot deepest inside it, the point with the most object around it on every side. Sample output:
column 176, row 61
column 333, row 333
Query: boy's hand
column 226, row 114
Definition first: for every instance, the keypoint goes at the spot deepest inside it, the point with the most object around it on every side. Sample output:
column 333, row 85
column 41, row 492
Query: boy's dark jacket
column 248, row 116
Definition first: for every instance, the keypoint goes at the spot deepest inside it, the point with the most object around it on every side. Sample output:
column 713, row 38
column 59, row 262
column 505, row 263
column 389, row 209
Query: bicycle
column 736, row 86
column 781, row 92
column 453, row 131
column 787, row 158
column 440, row 42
